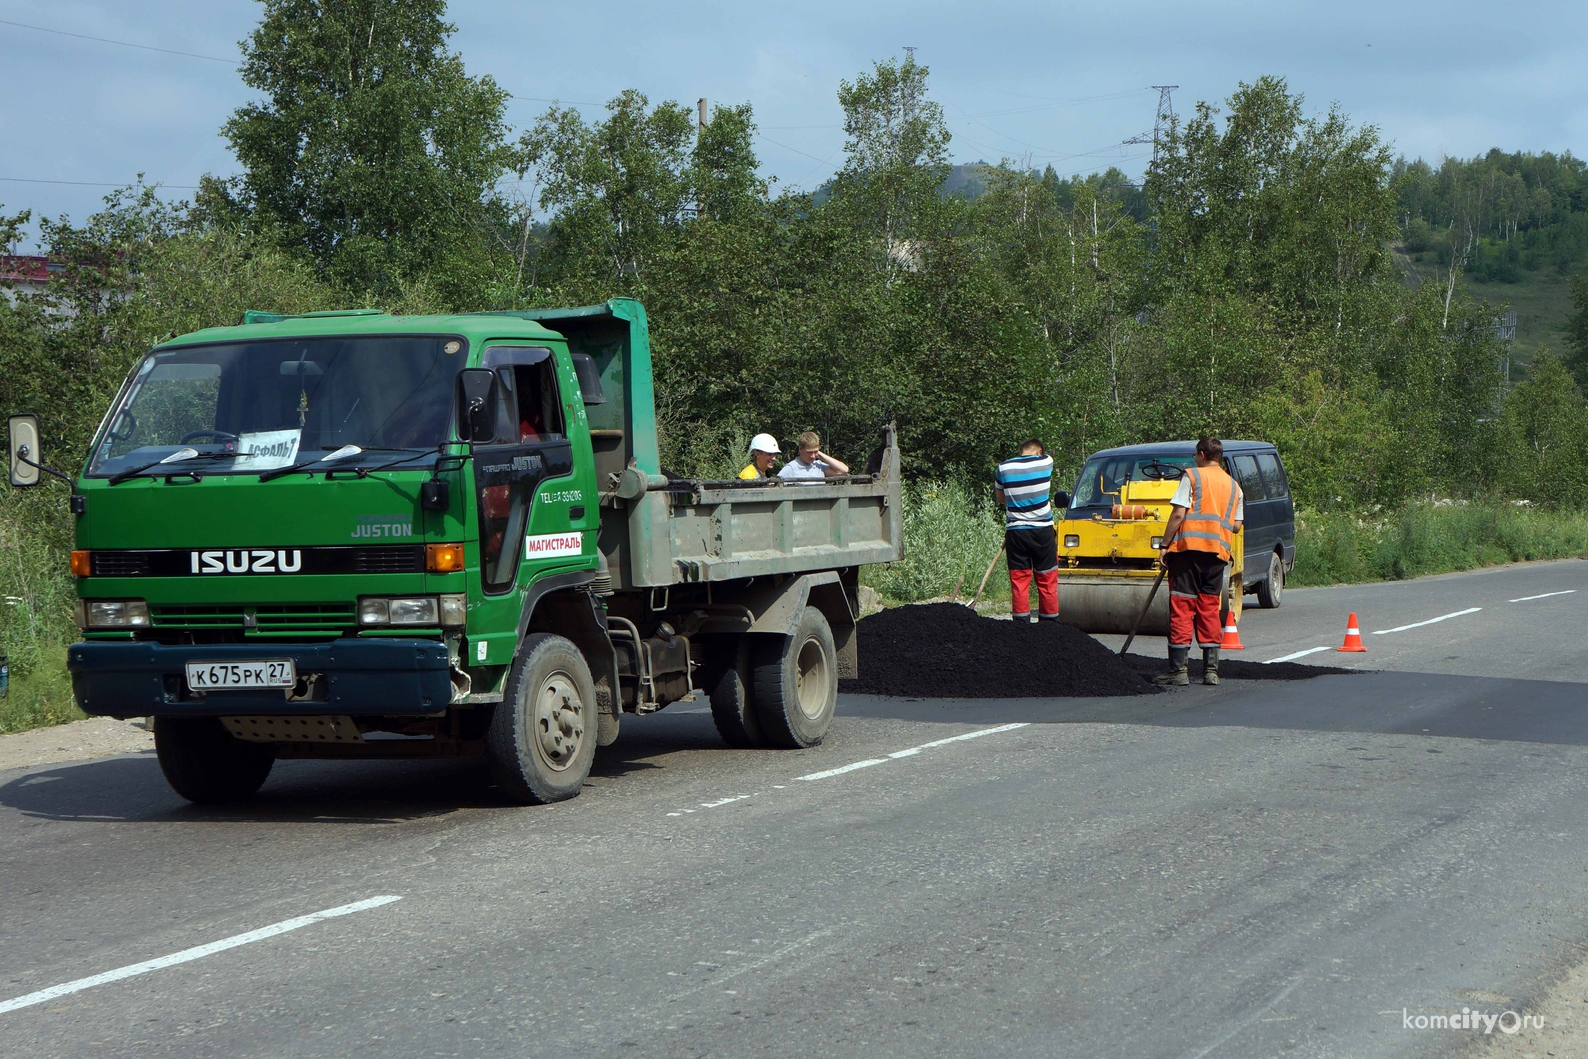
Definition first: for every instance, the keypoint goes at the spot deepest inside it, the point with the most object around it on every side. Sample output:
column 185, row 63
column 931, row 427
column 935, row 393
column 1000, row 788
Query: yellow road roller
column 1110, row 533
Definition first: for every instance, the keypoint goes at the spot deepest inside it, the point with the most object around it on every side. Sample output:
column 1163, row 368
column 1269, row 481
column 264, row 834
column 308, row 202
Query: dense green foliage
column 1248, row 288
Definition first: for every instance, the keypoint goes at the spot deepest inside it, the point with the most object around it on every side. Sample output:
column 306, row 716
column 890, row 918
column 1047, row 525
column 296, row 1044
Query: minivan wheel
column 1272, row 589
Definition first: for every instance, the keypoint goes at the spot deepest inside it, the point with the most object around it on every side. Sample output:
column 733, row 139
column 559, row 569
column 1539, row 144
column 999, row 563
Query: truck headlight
column 1157, row 542
column 400, row 610
column 112, row 614
column 1072, row 540
column 454, row 609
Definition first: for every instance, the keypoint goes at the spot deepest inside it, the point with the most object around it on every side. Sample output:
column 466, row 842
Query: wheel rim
column 1276, row 578
column 810, row 678
column 559, row 721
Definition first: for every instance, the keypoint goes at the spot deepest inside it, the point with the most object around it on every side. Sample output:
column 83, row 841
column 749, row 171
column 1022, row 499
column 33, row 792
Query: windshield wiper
column 414, row 454
column 281, row 472
column 179, row 456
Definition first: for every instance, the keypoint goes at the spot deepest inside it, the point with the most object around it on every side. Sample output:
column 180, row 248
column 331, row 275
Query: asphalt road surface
column 1254, row 870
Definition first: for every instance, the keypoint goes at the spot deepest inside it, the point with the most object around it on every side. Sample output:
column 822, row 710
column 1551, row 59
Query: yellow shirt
column 750, row 472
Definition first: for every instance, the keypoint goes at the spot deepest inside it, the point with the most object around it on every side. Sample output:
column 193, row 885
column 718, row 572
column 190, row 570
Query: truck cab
column 350, row 534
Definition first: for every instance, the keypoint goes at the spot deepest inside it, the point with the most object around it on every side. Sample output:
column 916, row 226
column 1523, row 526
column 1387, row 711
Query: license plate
column 234, row 676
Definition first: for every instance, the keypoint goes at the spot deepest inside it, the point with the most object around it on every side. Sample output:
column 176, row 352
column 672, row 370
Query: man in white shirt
column 812, row 462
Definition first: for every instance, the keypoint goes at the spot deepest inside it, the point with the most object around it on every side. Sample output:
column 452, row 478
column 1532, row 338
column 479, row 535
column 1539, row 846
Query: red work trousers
column 1199, row 613
column 1047, row 592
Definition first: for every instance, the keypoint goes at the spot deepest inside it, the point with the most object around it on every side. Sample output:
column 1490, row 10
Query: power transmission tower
column 910, row 51
column 1160, row 123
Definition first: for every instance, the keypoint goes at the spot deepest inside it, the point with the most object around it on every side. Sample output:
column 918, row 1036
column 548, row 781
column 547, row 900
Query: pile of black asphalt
column 948, row 651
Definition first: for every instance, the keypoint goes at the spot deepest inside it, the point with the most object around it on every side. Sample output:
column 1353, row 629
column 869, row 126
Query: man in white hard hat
column 763, row 453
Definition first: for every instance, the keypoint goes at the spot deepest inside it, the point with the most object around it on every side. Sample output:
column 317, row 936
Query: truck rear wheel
column 204, row 764
column 732, row 706
column 542, row 738
column 796, row 683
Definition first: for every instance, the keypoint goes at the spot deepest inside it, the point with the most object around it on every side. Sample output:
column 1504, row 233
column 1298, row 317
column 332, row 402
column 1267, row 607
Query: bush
column 948, row 535
column 1430, row 538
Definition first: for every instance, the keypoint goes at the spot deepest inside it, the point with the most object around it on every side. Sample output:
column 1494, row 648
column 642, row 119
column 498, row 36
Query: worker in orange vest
column 1207, row 511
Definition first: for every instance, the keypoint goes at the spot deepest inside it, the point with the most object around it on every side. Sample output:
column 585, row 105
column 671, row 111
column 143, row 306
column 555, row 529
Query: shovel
column 1162, row 570
column 985, row 576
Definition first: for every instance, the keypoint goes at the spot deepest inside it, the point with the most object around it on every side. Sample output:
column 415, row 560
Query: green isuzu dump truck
column 353, row 535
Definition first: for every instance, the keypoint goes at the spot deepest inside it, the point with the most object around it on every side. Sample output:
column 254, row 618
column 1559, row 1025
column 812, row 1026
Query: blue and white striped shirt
column 1026, row 482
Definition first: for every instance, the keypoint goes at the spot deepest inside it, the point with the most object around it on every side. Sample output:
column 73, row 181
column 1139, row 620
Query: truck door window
column 1251, row 481
column 507, row 476
column 1273, row 475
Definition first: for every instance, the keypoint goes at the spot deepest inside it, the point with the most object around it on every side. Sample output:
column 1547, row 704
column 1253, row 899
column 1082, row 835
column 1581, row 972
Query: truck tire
column 204, row 764
column 1271, row 590
column 734, row 711
column 542, row 737
column 796, row 683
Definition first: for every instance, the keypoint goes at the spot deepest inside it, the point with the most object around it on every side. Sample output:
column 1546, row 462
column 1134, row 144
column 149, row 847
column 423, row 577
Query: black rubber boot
column 1047, row 617
column 1210, row 665
column 1022, row 617
column 1179, row 674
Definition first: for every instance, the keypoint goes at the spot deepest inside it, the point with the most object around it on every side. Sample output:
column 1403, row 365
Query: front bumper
column 363, row 677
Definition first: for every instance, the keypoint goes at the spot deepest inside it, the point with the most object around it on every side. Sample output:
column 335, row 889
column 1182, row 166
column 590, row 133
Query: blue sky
column 1059, row 83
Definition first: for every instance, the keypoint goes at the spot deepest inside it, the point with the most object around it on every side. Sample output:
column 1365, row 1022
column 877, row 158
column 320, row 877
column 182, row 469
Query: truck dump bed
column 658, row 531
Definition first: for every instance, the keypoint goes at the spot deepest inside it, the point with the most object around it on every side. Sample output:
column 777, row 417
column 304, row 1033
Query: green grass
column 41, row 696
column 1422, row 539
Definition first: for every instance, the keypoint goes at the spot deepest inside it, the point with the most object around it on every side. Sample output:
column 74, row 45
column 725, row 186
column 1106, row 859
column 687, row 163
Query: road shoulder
column 84, row 740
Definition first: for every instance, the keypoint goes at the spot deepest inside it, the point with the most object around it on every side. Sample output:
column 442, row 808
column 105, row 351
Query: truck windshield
column 254, row 406
column 1103, row 475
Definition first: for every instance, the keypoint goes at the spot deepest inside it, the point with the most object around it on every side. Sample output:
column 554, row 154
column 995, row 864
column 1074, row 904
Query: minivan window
column 1273, row 474
column 1246, row 474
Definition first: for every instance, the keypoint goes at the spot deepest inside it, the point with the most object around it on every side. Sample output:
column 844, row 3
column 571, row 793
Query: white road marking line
column 840, row 770
column 1298, row 654
column 1430, row 621
column 1543, row 595
column 855, row 765
column 957, row 738
column 195, row 953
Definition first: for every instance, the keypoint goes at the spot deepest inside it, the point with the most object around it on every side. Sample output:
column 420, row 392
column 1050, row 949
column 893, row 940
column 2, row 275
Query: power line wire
column 98, row 183
column 122, row 43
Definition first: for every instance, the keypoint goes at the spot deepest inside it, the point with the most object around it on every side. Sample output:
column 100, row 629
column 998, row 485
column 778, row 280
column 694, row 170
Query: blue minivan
column 1270, row 511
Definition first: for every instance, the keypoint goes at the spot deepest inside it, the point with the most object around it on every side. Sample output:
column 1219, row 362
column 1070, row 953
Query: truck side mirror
column 1061, row 499
column 24, row 448
column 477, row 404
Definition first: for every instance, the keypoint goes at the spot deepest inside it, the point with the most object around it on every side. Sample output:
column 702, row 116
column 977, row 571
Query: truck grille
column 394, row 559
column 120, row 564
column 269, row 618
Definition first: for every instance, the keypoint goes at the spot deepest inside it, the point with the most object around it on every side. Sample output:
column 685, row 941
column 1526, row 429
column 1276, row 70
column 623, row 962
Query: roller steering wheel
column 1160, row 472
column 218, row 436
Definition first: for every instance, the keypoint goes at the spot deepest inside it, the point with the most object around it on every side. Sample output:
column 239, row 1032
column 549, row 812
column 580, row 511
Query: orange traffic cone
column 1353, row 637
column 1232, row 638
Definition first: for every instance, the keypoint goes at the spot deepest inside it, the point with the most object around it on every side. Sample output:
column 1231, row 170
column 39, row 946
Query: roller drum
column 1110, row 604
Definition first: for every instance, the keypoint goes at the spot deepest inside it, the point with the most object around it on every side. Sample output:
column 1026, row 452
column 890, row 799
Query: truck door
column 530, row 446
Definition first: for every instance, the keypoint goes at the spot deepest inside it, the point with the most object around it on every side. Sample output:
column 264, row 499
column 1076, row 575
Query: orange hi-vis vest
column 1209, row 523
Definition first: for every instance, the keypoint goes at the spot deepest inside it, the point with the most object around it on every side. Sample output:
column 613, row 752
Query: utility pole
column 700, row 130
column 1160, row 123
column 1164, row 118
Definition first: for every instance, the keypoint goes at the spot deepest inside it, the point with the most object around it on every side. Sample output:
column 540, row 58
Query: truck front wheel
column 796, row 683
column 542, row 737
column 204, row 764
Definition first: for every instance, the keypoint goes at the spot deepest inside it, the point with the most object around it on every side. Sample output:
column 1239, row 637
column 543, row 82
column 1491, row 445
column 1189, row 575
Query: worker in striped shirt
column 1023, row 485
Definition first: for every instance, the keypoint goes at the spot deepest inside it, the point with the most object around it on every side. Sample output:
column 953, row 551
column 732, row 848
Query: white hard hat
column 764, row 443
